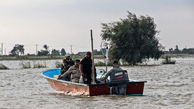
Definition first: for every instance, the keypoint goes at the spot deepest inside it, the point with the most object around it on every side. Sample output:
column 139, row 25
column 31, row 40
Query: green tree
column 17, row 50
column 55, row 52
column 132, row 39
column 63, row 52
column 44, row 52
column 45, row 47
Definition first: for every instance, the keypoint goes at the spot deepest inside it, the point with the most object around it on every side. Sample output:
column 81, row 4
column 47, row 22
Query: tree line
column 179, row 51
column 18, row 50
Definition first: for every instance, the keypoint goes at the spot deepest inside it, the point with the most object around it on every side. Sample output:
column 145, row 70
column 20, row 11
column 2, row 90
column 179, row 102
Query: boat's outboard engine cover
column 120, row 76
column 118, row 82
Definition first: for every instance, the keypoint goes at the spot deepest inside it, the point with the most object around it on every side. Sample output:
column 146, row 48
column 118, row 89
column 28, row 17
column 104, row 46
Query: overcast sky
column 61, row 23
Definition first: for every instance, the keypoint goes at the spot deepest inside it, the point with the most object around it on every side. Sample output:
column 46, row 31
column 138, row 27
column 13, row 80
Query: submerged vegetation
column 3, row 67
column 27, row 65
column 177, row 55
column 121, row 64
column 40, row 65
column 168, row 60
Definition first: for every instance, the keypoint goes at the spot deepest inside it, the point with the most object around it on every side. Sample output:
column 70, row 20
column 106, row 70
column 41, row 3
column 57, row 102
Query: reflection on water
column 168, row 86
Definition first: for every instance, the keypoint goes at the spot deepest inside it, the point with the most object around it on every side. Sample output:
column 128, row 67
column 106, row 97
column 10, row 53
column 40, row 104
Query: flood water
column 167, row 87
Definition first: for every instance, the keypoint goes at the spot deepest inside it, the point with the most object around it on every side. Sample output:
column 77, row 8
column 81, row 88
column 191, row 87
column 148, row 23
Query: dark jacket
column 116, row 75
column 66, row 65
column 87, row 65
column 87, row 69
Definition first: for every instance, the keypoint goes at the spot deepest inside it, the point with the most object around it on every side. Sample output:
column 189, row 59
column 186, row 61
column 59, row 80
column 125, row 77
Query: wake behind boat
column 72, row 88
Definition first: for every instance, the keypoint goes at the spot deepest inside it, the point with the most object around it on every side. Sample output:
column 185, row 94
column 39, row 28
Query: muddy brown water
column 167, row 87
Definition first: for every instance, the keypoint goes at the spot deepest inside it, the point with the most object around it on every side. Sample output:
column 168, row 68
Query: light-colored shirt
column 74, row 72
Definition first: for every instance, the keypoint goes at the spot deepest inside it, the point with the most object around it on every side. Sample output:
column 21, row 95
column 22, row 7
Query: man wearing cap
column 67, row 63
column 86, row 68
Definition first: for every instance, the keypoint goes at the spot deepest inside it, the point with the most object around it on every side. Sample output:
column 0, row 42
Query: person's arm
column 81, row 69
column 68, row 72
column 106, row 76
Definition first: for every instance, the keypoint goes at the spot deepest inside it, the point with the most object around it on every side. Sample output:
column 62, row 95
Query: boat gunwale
column 63, row 80
column 133, row 81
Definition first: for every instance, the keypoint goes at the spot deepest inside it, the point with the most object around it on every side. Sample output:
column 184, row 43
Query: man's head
column 115, row 64
column 88, row 54
column 77, row 62
column 67, row 56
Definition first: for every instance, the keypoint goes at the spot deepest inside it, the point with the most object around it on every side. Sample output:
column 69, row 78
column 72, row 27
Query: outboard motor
column 118, row 82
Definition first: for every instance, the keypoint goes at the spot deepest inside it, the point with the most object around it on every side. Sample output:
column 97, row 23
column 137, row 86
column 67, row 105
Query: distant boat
column 71, row 88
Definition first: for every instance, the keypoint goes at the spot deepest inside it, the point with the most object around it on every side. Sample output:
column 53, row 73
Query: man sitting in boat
column 118, row 79
column 73, row 71
column 67, row 63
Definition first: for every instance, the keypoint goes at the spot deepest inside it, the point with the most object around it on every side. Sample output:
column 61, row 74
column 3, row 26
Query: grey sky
column 61, row 23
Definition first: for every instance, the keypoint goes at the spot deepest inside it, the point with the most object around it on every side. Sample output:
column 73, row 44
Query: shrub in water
column 40, row 65
column 2, row 67
column 26, row 65
column 168, row 60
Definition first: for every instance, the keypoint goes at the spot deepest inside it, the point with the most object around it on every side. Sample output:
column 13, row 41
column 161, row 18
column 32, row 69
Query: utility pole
column 71, row 49
column 1, row 48
column 92, row 47
column 36, row 49
column 5, row 51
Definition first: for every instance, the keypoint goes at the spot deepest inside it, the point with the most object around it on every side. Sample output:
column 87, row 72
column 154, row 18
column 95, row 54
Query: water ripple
column 168, row 86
